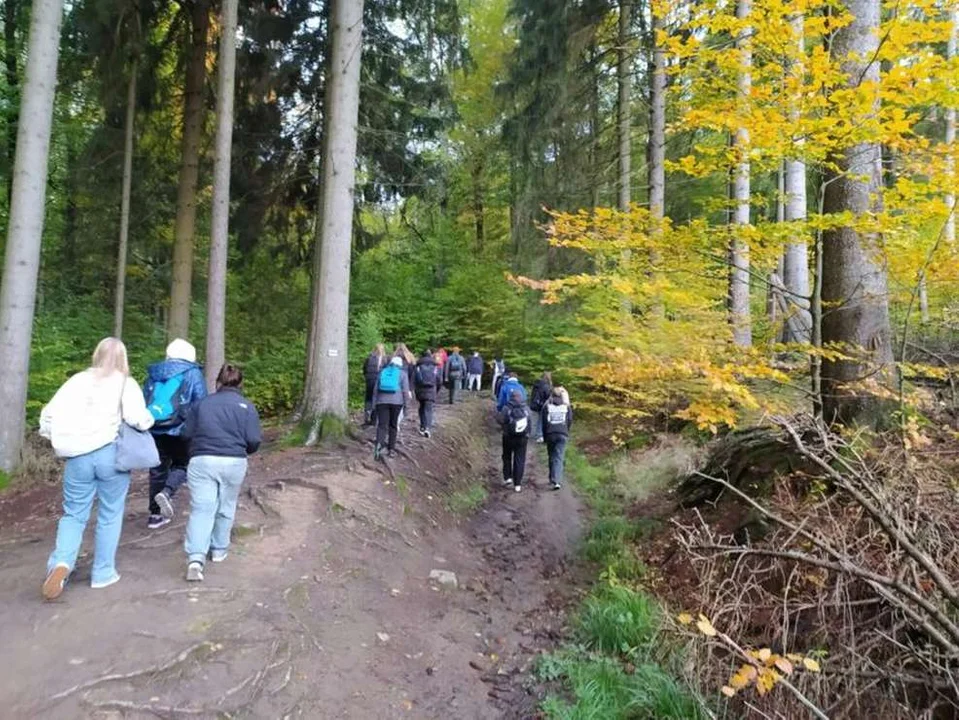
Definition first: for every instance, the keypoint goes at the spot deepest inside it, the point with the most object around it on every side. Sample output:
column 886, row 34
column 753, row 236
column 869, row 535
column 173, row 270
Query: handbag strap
column 123, row 387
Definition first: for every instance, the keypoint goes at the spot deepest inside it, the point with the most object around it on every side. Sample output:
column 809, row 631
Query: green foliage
column 465, row 502
column 4, row 480
column 609, row 544
column 616, row 619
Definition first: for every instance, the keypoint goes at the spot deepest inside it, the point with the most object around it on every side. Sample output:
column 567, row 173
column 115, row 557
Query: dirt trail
column 324, row 608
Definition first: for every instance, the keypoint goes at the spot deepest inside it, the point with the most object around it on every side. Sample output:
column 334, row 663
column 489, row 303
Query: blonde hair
column 110, row 357
column 404, row 352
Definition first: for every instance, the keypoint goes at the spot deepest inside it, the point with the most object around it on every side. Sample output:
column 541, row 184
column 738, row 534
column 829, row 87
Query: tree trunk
column 181, row 291
column 624, row 80
column 949, row 234
column 220, row 220
column 25, row 229
column 478, row 209
column 10, row 13
column 854, row 282
column 739, row 315
column 656, row 152
column 596, row 173
column 119, row 296
column 327, row 391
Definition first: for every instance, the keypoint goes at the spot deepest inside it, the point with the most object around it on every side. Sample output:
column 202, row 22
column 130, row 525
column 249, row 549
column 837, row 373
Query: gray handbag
column 136, row 449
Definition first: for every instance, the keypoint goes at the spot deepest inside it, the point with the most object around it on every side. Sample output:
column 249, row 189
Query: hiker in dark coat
column 474, row 367
column 424, row 387
column 542, row 389
column 556, row 419
column 514, row 417
column 453, row 372
column 371, row 370
column 389, row 397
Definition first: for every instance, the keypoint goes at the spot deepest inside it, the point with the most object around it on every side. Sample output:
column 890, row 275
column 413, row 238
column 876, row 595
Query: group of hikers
column 201, row 440
column 391, row 380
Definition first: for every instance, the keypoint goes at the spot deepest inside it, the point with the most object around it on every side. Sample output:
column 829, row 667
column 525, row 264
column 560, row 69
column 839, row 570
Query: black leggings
column 514, row 457
column 388, row 417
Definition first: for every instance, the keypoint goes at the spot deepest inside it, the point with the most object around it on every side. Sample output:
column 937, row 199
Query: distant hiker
column 453, row 372
column 440, row 357
column 475, row 368
column 409, row 367
column 82, row 421
column 514, row 417
column 371, row 370
column 392, row 389
column 172, row 386
column 510, row 385
column 499, row 372
column 223, row 429
column 556, row 419
column 542, row 389
column 424, row 386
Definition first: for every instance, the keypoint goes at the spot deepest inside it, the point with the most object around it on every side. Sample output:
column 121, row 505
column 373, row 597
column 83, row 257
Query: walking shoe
column 518, row 488
column 429, row 434
column 56, row 579
column 423, row 432
column 391, row 454
column 157, row 521
column 377, row 450
column 508, row 481
column 162, row 499
column 218, row 555
column 194, row 572
column 105, row 583
column 539, row 440
column 554, row 486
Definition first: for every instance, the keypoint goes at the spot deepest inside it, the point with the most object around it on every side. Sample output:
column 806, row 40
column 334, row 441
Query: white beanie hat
column 398, row 361
column 181, row 350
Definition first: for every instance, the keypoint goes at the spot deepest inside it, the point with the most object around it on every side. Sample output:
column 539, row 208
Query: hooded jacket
column 224, row 424
column 557, row 417
column 430, row 372
column 192, row 388
column 454, row 364
column 393, row 398
column 475, row 365
column 506, row 413
column 506, row 389
column 541, row 393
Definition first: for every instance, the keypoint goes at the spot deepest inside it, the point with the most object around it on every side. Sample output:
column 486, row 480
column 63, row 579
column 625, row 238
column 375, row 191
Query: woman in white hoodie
column 82, row 421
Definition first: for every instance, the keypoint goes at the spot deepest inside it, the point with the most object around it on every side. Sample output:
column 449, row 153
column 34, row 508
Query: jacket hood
column 180, row 349
column 165, row 369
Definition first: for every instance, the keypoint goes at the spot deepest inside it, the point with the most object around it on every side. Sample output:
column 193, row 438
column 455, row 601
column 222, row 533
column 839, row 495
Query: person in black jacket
column 514, row 417
column 371, row 370
column 223, row 429
column 556, row 419
column 424, row 387
column 542, row 389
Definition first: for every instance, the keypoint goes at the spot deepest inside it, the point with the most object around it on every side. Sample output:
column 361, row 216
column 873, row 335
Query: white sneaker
column 194, row 572
column 518, row 488
column 508, row 481
column 163, row 502
column 105, row 583
column 218, row 555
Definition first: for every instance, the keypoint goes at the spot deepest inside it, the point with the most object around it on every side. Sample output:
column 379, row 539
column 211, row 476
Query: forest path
column 324, row 608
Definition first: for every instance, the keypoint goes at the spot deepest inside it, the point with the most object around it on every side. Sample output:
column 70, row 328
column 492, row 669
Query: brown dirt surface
column 324, row 608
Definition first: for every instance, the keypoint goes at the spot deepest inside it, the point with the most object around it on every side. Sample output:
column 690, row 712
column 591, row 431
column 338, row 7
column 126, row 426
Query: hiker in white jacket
column 82, row 421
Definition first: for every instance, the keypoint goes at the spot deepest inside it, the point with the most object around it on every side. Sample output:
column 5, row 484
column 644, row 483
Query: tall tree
column 120, row 293
column 951, row 50
column 11, row 11
column 854, row 288
column 181, row 291
column 326, row 391
column 220, row 223
column 738, row 248
column 657, row 122
column 796, row 255
column 22, row 257
column 624, row 80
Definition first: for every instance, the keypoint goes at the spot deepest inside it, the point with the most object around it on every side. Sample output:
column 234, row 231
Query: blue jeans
column 556, row 447
column 86, row 476
column 214, row 484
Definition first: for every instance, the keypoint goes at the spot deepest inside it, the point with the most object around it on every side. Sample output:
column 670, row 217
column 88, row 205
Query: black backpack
column 518, row 421
column 425, row 375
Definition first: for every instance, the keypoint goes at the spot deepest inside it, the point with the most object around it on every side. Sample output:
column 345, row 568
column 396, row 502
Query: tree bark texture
column 739, row 283
column 25, row 229
column 854, row 291
column 181, row 290
column 120, row 293
column 11, row 10
column 624, row 80
column 950, row 198
column 327, row 391
column 657, row 125
column 220, row 220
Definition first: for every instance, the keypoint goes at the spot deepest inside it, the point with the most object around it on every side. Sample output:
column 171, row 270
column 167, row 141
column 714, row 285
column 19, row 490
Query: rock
column 445, row 578
column 382, row 637
column 477, row 665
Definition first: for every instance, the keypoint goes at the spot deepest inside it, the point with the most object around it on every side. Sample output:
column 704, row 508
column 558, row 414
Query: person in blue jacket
column 506, row 390
column 172, row 386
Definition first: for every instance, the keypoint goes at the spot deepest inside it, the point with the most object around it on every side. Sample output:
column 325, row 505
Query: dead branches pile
column 859, row 562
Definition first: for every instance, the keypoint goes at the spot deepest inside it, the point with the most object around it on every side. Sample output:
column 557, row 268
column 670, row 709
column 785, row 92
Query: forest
column 726, row 223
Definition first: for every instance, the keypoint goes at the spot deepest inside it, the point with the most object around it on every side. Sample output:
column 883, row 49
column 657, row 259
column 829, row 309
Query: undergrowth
column 465, row 502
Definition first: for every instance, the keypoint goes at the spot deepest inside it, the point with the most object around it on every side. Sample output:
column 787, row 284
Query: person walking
column 223, row 429
column 392, row 389
column 440, row 357
column 371, row 370
column 556, row 419
column 454, row 371
column 514, row 417
column 542, row 389
column 475, row 369
column 82, row 421
column 510, row 385
column 172, row 386
column 499, row 371
column 424, row 385
column 409, row 367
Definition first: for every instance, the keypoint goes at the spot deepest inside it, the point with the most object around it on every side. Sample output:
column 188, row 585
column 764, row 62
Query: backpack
column 456, row 365
column 518, row 421
column 164, row 400
column 390, row 379
column 421, row 377
column 556, row 414
column 372, row 365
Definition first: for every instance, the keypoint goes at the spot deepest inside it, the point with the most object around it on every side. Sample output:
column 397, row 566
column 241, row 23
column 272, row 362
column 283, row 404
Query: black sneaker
column 157, row 521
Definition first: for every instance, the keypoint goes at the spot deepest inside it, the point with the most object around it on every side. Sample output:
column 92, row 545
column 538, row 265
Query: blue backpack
column 164, row 401
column 390, row 379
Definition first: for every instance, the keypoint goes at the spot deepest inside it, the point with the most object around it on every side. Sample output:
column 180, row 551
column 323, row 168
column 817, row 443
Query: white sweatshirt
column 84, row 415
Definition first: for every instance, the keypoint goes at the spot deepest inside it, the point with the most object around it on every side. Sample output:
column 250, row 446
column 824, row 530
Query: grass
column 618, row 620
column 464, row 502
column 4, row 480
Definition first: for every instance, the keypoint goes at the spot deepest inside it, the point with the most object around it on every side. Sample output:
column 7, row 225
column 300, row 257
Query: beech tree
column 327, row 376
column 25, row 229
column 624, row 80
column 220, row 221
column 120, row 293
column 739, row 283
column 854, row 288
